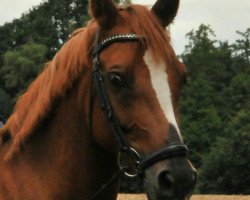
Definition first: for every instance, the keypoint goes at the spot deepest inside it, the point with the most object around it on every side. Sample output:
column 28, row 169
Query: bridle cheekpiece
column 129, row 160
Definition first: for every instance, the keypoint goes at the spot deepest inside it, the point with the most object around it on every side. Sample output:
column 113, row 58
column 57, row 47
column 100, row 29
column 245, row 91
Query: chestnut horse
column 112, row 89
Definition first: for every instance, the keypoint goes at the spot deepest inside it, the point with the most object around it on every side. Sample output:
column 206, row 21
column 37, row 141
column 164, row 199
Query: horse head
column 141, row 81
column 128, row 123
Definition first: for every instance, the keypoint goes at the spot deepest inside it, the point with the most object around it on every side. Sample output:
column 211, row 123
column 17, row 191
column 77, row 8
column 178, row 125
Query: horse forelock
column 144, row 22
column 55, row 80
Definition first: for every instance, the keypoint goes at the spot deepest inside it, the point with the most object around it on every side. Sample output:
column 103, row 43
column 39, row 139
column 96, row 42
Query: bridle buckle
column 129, row 161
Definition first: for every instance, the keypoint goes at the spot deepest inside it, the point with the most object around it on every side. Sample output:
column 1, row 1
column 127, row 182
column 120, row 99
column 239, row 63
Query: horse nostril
column 166, row 183
column 171, row 184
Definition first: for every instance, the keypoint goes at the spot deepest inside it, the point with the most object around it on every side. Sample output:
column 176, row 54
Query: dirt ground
column 194, row 197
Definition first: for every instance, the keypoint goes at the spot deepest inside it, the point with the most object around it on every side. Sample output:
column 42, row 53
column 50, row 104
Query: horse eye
column 116, row 80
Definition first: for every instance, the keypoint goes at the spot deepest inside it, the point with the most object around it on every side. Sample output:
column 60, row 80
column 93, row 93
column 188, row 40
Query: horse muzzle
column 170, row 179
column 167, row 173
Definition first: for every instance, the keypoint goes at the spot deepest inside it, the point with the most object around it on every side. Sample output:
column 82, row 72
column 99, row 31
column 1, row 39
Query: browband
column 115, row 38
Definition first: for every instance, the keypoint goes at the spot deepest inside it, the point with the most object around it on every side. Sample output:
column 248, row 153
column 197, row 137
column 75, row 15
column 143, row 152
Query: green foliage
column 216, row 110
column 50, row 24
column 226, row 168
column 242, row 46
column 199, row 117
column 5, row 104
column 21, row 66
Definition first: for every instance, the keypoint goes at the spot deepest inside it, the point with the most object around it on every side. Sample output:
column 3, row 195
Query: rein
column 130, row 162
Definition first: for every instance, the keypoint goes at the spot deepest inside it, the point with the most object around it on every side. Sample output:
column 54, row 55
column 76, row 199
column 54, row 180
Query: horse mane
column 54, row 81
column 66, row 67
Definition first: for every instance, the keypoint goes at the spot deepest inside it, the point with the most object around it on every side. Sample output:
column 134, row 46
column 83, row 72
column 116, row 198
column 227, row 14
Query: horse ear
column 166, row 10
column 104, row 12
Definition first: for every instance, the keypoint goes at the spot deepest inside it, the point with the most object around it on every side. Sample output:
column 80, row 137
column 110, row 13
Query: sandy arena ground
column 195, row 197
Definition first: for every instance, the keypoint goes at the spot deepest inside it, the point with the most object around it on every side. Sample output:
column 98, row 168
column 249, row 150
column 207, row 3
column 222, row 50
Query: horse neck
column 73, row 150
column 100, row 165
column 62, row 160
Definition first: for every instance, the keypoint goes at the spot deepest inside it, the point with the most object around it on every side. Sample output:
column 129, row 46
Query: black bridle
column 130, row 162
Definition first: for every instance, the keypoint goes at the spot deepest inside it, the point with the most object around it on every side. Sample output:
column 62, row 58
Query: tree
column 200, row 120
column 21, row 67
column 215, row 110
column 5, row 104
column 49, row 23
column 242, row 46
column 226, row 168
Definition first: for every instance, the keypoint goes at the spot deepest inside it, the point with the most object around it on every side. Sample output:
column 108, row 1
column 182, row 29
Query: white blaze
column 160, row 84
